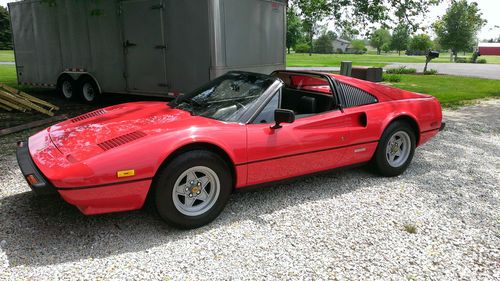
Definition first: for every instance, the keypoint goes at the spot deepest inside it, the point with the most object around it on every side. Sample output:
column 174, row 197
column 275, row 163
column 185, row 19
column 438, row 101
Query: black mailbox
column 433, row 54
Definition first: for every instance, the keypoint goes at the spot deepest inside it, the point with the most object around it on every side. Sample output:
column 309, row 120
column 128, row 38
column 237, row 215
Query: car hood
column 96, row 132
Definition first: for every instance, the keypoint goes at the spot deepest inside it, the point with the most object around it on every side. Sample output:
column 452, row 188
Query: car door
column 308, row 145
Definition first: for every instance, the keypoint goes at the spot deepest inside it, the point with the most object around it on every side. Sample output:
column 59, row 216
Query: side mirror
column 283, row 116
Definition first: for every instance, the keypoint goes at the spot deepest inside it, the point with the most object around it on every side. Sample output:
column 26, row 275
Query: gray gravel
column 345, row 225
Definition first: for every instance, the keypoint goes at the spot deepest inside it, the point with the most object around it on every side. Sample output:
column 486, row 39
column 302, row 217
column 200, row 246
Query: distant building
column 340, row 45
column 489, row 49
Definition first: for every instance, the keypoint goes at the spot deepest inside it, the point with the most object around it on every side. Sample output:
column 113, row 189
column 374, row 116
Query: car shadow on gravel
column 44, row 230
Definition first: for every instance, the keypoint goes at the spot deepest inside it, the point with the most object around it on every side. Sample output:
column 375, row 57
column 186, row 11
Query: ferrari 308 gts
column 240, row 130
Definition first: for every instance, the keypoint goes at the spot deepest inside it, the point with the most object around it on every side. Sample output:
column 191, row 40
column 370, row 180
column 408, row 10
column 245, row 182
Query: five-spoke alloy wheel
column 192, row 189
column 395, row 150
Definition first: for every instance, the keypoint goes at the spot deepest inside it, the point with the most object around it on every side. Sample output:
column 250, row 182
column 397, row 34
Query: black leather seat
column 308, row 105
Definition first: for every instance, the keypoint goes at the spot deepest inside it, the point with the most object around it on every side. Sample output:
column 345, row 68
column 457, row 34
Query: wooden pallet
column 13, row 99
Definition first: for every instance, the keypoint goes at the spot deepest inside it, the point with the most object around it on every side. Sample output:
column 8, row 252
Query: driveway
column 489, row 71
column 437, row 221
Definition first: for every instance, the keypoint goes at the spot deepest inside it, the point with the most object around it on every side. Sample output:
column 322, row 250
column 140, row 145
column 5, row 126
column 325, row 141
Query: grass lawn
column 451, row 91
column 8, row 75
column 305, row 60
column 6, row 55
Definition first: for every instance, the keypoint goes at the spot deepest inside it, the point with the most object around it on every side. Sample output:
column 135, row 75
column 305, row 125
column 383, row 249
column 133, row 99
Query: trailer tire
column 88, row 89
column 66, row 86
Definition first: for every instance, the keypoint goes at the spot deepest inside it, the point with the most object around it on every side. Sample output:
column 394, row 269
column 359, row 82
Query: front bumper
column 40, row 185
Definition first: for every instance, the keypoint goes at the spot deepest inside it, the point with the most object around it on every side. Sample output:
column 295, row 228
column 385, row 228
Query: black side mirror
column 283, row 116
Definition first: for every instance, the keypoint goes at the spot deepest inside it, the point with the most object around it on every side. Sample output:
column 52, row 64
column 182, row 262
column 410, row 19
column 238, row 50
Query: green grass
column 451, row 91
column 8, row 75
column 6, row 55
column 323, row 60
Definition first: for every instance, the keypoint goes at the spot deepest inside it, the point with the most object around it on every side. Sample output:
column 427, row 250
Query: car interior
column 306, row 95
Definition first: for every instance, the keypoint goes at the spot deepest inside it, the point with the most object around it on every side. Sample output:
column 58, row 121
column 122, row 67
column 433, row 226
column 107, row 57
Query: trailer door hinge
column 163, row 85
column 157, row 7
column 160, row 46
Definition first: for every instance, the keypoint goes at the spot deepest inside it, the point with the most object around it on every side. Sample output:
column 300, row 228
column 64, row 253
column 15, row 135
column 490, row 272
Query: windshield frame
column 247, row 114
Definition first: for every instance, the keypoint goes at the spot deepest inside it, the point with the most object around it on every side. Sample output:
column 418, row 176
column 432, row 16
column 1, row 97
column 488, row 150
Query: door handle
column 127, row 44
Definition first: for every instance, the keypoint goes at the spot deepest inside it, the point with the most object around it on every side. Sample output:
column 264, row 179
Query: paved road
column 7, row 63
column 490, row 71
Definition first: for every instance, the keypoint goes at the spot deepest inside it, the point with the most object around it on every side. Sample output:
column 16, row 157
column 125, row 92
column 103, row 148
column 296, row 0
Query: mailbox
column 433, row 54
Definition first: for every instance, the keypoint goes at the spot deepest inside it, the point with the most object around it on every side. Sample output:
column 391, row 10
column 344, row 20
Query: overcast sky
column 490, row 9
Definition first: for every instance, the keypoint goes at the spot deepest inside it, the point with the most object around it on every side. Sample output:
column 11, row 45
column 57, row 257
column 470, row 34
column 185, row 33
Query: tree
column 458, row 28
column 421, row 43
column 400, row 38
column 5, row 33
column 294, row 28
column 360, row 12
column 358, row 46
column 379, row 38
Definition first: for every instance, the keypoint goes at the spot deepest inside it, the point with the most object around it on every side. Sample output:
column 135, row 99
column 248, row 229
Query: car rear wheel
column 192, row 189
column 395, row 150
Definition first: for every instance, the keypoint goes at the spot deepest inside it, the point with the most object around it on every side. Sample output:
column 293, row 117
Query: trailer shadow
column 46, row 230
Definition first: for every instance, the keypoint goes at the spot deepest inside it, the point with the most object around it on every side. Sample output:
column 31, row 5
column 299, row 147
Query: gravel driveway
column 345, row 225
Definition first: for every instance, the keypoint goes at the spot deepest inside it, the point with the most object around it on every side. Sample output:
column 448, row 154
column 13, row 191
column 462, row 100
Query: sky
column 490, row 9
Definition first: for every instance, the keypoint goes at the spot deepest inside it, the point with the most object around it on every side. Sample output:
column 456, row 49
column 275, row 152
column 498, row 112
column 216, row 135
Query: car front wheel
column 192, row 189
column 395, row 150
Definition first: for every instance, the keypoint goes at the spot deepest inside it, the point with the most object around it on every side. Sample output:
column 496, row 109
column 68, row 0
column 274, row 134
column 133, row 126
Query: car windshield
column 227, row 97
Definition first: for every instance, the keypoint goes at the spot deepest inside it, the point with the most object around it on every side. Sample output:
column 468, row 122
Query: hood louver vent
column 88, row 115
column 121, row 140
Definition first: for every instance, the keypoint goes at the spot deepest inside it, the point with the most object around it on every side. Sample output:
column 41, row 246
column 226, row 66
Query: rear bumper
column 29, row 169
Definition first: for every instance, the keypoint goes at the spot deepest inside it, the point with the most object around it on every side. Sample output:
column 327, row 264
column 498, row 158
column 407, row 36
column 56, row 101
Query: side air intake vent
column 356, row 97
column 88, row 115
column 121, row 140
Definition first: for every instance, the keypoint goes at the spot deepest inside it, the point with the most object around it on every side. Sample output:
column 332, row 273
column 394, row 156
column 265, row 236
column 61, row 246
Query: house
column 489, row 49
column 340, row 45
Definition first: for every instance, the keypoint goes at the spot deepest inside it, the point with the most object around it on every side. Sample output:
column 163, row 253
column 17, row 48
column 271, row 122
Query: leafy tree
column 421, row 43
column 5, row 33
column 400, row 38
column 360, row 12
column 458, row 28
column 386, row 48
column 379, row 38
column 294, row 28
column 358, row 46
column 323, row 45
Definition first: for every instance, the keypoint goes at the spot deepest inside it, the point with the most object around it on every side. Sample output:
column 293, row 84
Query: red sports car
column 240, row 130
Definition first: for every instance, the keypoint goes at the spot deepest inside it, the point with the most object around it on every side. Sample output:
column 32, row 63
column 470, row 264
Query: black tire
column 380, row 159
column 67, row 87
column 166, row 178
column 88, row 89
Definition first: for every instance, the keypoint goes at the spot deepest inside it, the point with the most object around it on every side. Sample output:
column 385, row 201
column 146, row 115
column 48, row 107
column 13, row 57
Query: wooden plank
column 26, row 103
column 5, row 107
column 29, row 97
column 12, row 105
column 34, row 124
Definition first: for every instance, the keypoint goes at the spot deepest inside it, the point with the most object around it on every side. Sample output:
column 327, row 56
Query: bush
column 401, row 70
column 302, row 48
column 391, row 78
column 431, row 72
column 461, row 60
column 481, row 61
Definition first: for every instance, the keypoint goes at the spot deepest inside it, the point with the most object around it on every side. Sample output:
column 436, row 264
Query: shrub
column 401, row 70
column 481, row 61
column 461, row 60
column 302, row 48
column 431, row 72
column 392, row 78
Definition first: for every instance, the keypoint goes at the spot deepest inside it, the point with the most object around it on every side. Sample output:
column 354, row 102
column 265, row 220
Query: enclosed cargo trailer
column 146, row 47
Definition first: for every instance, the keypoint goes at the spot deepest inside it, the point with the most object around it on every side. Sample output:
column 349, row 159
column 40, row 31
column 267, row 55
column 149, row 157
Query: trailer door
column 144, row 44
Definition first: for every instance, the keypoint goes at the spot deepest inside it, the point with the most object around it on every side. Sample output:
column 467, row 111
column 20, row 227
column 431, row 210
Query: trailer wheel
column 66, row 86
column 89, row 89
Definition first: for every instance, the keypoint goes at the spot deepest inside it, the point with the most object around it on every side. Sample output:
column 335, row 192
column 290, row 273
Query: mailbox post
column 430, row 56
